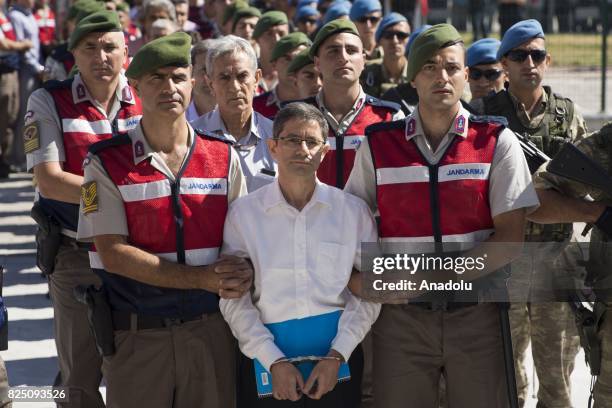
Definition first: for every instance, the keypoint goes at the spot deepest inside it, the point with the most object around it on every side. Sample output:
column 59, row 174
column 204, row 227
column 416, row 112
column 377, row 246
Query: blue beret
column 303, row 3
column 305, row 11
column 415, row 34
column 387, row 21
column 337, row 10
column 362, row 7
column 519, row 33
column 483, row 51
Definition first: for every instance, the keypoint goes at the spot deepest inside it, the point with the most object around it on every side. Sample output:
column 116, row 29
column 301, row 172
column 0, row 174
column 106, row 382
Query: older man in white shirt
column 304, row 239
column 231, row 66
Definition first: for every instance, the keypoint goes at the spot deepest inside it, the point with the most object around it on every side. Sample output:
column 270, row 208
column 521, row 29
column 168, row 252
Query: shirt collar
column 140, row 146
column 217, row 126
column 123, row 92
column 274, row 198
column 519, row 105
column 459, row 126
column 356, row 106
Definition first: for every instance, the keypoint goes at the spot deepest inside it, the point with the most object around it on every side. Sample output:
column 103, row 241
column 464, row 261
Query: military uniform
column 550, row 326
column 598, row 147
column 375, row 79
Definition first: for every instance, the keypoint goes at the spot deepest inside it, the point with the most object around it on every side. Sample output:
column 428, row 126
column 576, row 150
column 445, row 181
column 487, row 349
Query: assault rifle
column 535, row 157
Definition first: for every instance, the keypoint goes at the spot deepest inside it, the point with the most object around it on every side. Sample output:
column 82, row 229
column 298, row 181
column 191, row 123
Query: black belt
column 66, row 240
column 444, row 306
column 124, row 320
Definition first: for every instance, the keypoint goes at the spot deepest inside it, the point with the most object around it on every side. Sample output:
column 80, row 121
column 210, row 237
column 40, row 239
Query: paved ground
column 31, row 357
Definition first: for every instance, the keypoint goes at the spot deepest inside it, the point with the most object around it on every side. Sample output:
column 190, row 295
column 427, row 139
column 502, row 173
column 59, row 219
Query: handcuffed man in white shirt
column 304, row 239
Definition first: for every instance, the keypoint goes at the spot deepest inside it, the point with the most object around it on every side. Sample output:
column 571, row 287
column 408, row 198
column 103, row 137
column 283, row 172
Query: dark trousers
column 510, row 14
column 345, row 395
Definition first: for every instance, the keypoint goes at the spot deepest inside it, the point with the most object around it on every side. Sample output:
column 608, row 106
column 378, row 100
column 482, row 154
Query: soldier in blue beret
column 548, row 120
column 485, row 72
column 366, row 14
column 306, row 20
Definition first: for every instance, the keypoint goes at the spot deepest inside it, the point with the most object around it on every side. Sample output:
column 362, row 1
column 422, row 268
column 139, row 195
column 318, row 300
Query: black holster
column 48, row 239
column 99, row 316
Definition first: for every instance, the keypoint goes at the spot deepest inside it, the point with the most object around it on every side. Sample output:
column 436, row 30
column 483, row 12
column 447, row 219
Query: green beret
column 329, row 29
column 123, row 6
column 427, row 44
column 170, row 50
column 245, row 12
column 230, row 10
column 300, row 61
column 100, row 22
column 269, row 20
column 288, row 43
column 83, row 8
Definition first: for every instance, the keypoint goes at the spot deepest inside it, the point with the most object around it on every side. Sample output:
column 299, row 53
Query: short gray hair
column 201, row 48
column 229, row 44
column 159, row 4
column 303, row 112
column 162, row 23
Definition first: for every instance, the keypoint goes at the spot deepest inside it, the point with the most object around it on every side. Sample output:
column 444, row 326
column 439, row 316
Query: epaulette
column 500, row 120
column 212, row 135
column 370, row 100
column 55, row 84
column 112, row 142
column 394, row 125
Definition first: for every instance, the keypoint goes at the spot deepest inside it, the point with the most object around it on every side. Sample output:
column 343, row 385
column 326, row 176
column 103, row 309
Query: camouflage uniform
column 550, row 326
column 375, row 79
column 598, row 147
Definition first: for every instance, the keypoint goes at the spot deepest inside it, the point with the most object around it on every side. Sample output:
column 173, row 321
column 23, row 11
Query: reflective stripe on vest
column 179, row 221
column 83, row 125
column 7, row 28
column 46, row 25
column 338, row 162
column 446, row 202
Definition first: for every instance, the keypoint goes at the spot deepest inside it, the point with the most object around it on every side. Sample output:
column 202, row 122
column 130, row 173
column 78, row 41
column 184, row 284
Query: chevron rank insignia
column 31, row 138
column 89, row 195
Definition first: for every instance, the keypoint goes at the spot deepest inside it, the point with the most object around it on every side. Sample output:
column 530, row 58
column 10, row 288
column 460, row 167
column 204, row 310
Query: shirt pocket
column 333, row 265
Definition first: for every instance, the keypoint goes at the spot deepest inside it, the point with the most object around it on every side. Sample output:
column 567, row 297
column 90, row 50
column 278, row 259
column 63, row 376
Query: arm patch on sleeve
column 89, row 195
column 31, row 138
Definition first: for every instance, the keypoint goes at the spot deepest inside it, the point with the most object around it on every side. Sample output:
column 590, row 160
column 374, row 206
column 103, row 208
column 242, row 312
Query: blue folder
column 311, row 336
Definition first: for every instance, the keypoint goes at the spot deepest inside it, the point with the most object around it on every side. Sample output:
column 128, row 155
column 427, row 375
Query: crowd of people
column 208, row 174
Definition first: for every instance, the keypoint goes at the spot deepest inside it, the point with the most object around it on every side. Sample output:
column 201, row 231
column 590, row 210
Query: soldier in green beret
column 163, row 279
column 305, row 76
column 285, row 50
column 227, row 21
column 271, row 27
column 419, row 167
column 63, row 120
column 244, row 23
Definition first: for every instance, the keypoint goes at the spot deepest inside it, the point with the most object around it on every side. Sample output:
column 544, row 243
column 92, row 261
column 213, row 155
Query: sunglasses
column 489, row 74
column 537, row 56
column 372, row 20
column 388, row 35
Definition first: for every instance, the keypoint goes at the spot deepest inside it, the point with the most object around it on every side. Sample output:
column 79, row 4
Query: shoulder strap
column 120, row 140
column 385, row 126
column 370, row 100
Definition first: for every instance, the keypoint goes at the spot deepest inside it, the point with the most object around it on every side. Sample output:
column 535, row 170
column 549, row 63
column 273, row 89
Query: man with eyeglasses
column 548, row 120
column 485, row 73
column 231, row 66
column 366, row 15
column 392, row 35
column 268, row 103
column 304, row 239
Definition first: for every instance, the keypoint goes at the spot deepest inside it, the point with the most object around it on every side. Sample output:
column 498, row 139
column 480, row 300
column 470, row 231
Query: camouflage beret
column 170, row 50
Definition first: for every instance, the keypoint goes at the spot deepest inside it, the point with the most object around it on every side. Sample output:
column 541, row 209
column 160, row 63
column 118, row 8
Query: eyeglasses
column 296, row 142
column 388, row 35
column 537, row 56
column 489, row 74
column 373, row 20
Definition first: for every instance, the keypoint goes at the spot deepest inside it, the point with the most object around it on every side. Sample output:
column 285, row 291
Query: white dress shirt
column 303, row 261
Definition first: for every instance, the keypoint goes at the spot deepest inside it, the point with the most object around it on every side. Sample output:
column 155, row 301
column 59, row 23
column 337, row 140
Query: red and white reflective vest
column 7, row 27
column 445, row 202
column 181, row 221
column 84, row 125
column 262, row 106
column 338, row 162
column 45, row 18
